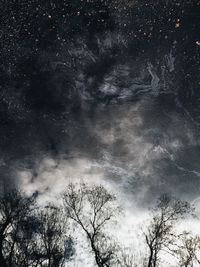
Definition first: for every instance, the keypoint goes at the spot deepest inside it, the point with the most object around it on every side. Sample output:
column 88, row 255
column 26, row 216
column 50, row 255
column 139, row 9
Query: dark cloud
column 109, row 81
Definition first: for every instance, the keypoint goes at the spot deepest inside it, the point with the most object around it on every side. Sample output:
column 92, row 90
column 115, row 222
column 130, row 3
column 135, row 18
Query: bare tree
column 159, row 235
column 27, row 252
column 188, row 250
column 30, row 236
column 55, row 245
column 14, row 206
column 92, row 208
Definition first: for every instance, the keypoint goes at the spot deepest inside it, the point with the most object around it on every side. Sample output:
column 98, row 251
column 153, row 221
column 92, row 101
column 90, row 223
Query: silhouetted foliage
column 32, row 236
column 52, row 237
column 92, row 208
column 36, row 236
column 14, row 207
column 188, row 250
column 160, row 235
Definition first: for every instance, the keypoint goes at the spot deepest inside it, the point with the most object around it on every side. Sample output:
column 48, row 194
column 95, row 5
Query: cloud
column 119, row 147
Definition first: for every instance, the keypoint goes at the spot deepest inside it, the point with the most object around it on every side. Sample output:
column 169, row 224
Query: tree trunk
column 150, row 258
column 97, row 259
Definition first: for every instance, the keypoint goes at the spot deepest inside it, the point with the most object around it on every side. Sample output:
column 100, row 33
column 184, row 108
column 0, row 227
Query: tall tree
column 188, row 250
column 55, row 244
column 159, row 235
column 92, row 208
column 14, row 207
column 27, row 252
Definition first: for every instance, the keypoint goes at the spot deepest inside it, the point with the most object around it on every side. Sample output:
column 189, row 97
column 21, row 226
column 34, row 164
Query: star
column 178, row 24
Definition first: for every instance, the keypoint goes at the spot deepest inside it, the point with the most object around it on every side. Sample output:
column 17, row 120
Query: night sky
column 103, row 90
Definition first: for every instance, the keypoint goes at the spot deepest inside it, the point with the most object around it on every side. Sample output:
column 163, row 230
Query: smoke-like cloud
column 108, row 92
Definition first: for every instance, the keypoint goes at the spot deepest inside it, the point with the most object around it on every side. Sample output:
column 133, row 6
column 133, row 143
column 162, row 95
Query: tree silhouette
column 188, row 250
column 55, row 245
column 159, row 235
column 35, row 236
column 92, row 208
column 32, row 236
column 27, row 252
column 14, row 207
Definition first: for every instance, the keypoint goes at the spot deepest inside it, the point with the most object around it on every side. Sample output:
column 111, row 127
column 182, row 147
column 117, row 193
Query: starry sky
column 103, row 90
